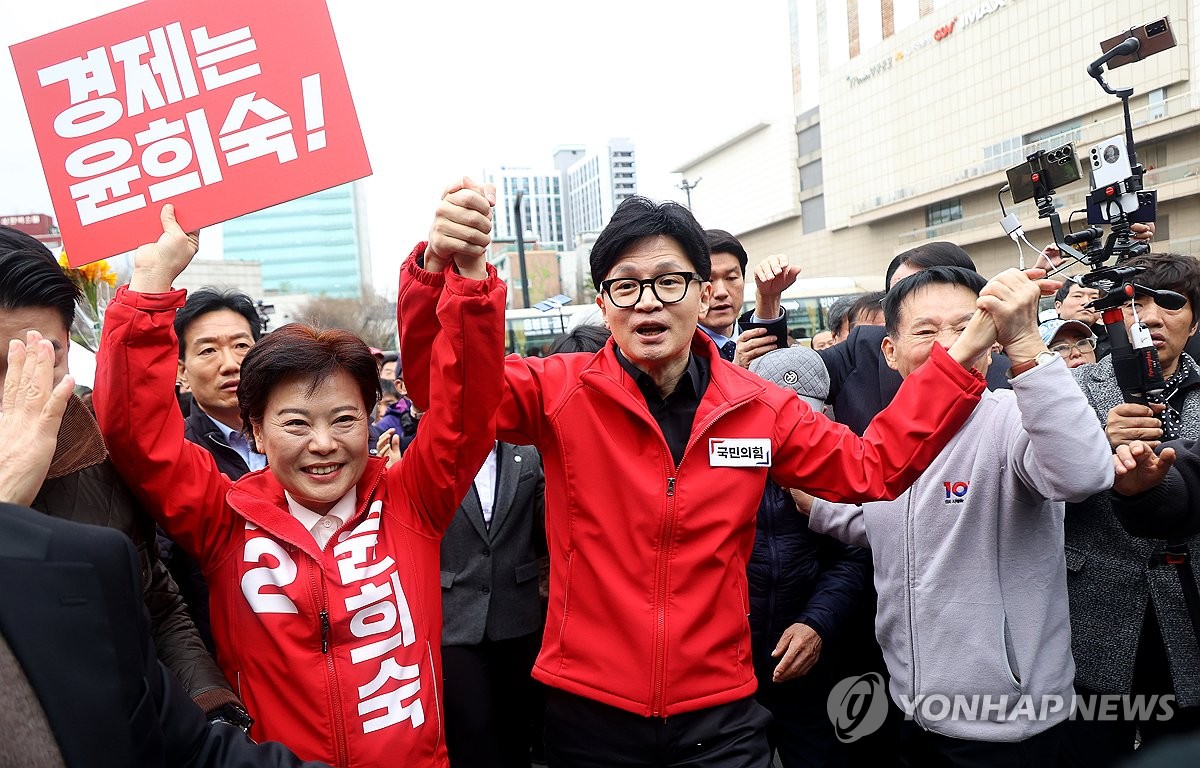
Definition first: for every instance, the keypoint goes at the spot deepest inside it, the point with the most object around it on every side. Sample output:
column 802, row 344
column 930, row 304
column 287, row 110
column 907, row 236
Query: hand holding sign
column 157, row 264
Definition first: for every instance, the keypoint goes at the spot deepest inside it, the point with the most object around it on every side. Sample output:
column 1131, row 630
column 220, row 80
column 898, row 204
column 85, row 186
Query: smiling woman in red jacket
column 323, row 568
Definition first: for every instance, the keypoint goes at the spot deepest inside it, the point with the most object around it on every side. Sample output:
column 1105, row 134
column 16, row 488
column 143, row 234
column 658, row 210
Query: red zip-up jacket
column 336, row 653
column 648, row 596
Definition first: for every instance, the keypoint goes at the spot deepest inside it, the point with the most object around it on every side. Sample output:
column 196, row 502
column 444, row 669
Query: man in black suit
column 492, row 557
column 216, row 329
column 740, row 337
column 82, row 684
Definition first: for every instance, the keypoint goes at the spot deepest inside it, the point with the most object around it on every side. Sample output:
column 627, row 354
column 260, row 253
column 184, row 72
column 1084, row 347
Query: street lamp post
column 521, row 246
column 687, row 188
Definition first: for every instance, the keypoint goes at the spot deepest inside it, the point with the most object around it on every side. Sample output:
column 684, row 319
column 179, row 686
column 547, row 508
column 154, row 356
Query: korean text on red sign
column 222, row 107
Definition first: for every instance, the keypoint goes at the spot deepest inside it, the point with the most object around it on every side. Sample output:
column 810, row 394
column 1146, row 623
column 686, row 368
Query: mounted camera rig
column 1135, row 360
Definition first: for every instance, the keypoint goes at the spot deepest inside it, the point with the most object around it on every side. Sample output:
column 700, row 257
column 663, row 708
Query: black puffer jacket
column 84, row 487
column 796, row 575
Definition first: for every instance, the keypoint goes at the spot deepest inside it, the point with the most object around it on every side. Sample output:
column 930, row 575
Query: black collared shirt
column 676, row 412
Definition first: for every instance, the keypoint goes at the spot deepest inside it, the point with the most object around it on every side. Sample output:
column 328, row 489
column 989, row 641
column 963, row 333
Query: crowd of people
column 671, row 541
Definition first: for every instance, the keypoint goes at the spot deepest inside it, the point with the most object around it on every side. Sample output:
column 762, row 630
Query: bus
column 531, row 331
column 808, row 301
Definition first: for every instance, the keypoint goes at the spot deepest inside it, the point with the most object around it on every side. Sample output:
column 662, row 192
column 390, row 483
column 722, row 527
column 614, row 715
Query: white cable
column 1031, row 245
column 1020, row 253
column 1068, row 260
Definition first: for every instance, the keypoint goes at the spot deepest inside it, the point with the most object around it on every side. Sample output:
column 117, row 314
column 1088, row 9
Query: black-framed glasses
column 1083, row 345
column 668, row 288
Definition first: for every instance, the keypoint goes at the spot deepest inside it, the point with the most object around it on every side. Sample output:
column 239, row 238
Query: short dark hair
column 207, row 300
column 865, row 303
column 1177, row 272
column 893, row 300
column 1069, row 282
column 720, row 241
column 31, row 278
column 839, row 312
column 639, row 217
column 936, row 254
column 582, row 338
column 301, row 351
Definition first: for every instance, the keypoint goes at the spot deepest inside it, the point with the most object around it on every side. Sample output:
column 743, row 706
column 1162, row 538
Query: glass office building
column 315, row 245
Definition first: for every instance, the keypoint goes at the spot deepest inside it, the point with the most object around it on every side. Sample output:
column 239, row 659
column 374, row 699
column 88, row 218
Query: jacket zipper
column 657, row 705
column 225, row 447
column 320, row 598
column 339, row 726
column 909, row 554
column 772, row 584
column 339, row 721
column 658, row 701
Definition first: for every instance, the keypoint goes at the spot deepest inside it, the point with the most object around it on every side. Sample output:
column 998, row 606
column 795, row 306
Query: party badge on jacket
column 739, row 452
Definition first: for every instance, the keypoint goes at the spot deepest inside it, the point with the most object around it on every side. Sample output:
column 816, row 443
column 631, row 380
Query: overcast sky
column 444, row 89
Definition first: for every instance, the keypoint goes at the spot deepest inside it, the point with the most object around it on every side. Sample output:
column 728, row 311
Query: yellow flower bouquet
column 97, row 283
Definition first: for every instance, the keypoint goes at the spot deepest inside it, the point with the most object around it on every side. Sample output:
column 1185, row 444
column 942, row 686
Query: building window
column 1157, row 104
column 1053, row 137
column 812, row 214
column 1153, row 156
column 940, row 213
column 810, row 175
column 809, row 140
column 1003, row 154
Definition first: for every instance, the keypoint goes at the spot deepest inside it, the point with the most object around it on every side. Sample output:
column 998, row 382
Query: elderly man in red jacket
column 656, row 453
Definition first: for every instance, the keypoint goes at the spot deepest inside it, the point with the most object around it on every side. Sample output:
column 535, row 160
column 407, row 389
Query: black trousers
column 855, row 653
column 800, row 730
column 1099, row 743
column 922, row 749
column 581, row 733
column 488, row 697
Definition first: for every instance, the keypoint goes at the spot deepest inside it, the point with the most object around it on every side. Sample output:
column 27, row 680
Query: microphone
column 1089, row 234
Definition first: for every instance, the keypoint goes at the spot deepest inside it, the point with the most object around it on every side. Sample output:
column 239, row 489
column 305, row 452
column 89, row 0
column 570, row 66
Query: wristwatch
column 1043, row 358
column 232, row 714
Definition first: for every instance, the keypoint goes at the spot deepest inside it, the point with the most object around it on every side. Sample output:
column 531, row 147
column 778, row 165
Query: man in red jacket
column 656, row 452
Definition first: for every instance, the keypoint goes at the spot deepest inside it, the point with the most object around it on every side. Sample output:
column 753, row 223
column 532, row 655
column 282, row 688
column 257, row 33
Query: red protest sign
column 222, row 107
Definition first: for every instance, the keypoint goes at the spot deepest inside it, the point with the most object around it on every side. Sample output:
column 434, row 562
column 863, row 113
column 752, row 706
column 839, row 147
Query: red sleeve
column 420, row 290
column 176, row 480
column 829, row 461
column 416, row 323
column 460, row 366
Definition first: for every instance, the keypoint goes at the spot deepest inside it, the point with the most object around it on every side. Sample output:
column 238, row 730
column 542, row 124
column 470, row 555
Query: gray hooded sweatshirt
column 969, row 562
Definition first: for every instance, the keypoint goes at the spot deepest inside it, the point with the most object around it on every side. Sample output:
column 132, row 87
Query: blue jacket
column 393, row 417
column 798, row 575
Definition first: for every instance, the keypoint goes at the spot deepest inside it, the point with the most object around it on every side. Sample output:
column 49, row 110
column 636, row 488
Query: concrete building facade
column 908, row 112
column 41, row 226
column 541, row 206
column 597, row 182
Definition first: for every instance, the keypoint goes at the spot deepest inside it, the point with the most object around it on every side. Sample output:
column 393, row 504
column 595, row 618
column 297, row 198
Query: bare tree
column 372, row 319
